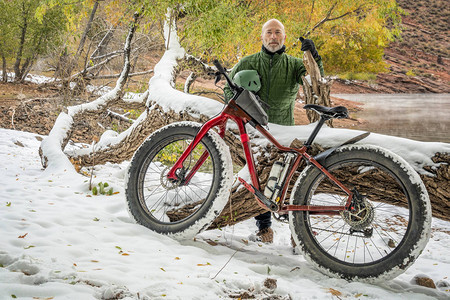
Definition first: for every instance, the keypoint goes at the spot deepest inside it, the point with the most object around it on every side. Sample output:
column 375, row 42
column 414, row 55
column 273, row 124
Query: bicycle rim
column 174, row 201
column 379, row 222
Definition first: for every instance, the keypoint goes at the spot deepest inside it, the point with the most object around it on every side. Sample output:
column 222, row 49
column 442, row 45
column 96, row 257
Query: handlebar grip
column 219, row 66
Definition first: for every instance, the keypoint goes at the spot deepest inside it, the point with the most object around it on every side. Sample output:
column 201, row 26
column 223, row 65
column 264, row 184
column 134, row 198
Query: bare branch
column 328, row 18
column 114, row 53
column 325, row 19
column 129, row 75
column 189, row 81
column 119, row 116
column 357, row 10
column 88, row 27
column 103, row 42
column 198, row 66
column 94, row 67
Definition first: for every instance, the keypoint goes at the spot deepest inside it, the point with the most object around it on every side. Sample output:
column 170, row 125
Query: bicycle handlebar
column 222, row 71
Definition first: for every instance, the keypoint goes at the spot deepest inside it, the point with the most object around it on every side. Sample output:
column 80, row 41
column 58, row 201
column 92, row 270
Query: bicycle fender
column 321, row 157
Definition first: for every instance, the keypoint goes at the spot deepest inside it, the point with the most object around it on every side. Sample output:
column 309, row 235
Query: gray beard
column 273, row 49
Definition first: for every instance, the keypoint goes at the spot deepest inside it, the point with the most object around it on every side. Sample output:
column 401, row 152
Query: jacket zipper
column 268, row 79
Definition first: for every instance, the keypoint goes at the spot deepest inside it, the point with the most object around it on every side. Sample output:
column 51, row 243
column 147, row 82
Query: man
column 280, row 76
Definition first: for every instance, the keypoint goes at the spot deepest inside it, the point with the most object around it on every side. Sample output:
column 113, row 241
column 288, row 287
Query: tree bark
column 86, row 30
column 67, row 64
column 4, row 70
column 24, row 27
column 316, row 90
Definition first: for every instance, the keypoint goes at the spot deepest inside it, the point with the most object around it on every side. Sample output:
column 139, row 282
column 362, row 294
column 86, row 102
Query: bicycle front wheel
column 183, row 207
column 387, row 227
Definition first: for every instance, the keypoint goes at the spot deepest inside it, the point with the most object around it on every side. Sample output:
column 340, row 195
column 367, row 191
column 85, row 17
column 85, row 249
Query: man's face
column 273, row 36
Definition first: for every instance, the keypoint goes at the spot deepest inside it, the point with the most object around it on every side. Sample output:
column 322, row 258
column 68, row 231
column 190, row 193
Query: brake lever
column 218, row 78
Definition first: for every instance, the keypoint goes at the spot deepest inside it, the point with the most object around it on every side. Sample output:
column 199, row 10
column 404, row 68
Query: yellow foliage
column 351, row 39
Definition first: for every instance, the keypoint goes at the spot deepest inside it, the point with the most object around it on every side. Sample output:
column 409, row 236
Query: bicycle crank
column 260, row 196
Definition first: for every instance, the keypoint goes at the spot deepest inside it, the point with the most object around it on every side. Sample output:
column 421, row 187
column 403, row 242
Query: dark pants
column 264, row 220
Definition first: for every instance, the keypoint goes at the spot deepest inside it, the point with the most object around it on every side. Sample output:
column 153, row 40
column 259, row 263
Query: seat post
column 319, row 125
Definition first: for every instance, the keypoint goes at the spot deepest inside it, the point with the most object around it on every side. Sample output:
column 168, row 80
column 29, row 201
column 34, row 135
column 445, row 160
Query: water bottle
column 276, row 177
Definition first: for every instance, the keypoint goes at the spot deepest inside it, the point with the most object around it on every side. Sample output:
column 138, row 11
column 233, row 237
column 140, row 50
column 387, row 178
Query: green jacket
column 280, row 80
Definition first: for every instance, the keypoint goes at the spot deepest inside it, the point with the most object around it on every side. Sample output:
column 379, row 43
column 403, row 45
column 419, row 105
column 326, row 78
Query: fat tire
column 218, row 194
column 415, row 238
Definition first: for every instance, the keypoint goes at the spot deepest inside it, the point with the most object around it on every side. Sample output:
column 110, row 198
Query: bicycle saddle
column 339, row 112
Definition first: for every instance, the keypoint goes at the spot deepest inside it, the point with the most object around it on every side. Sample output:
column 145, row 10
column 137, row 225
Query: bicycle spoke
column 165, row 198
column 379, row 217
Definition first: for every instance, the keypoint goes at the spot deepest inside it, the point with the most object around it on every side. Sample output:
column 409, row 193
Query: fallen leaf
column 391, row 243
column 296, row 268
column 244, row 241
column 177, row 258
column 203, row 265
column 19, row 144
column 211, row 242
column 125, row 254
column 334, row 292
column 23, row 236
column 162, row 269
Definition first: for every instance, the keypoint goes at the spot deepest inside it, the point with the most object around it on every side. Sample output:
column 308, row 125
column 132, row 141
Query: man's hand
column 308, row 44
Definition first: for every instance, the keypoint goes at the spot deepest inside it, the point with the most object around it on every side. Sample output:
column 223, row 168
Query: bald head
column 273, row 35
column 272, row 23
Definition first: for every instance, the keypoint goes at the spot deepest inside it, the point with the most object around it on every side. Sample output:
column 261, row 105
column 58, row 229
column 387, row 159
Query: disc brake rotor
column 361, row 216
column 167, row 183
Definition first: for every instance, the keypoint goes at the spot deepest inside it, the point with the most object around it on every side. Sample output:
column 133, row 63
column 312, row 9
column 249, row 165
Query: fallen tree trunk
column 242, row 204
column 51, row 149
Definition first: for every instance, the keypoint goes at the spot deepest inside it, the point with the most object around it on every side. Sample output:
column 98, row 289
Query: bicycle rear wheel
column 183, row 207
column 385, row 231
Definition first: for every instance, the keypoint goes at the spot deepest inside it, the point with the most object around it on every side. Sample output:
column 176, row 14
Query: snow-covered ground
column 58, row 241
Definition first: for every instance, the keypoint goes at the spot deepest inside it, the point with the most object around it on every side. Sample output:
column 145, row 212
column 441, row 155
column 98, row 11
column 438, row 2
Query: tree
column 350, row 35
column 94, row 44
column 30, row 29
column 118, row 147
column 6, row 47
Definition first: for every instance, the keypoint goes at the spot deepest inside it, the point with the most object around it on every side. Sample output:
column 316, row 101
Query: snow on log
column 52, row 148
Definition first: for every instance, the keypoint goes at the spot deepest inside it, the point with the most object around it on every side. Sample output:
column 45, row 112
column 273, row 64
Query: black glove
column 308, row 44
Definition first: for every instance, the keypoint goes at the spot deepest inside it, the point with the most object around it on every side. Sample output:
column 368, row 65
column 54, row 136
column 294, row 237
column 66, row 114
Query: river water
column 422, row 117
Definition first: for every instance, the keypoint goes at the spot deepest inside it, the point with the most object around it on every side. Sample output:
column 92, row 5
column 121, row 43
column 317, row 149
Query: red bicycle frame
column 241, row 118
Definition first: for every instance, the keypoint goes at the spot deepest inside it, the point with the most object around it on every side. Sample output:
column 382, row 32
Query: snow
column 60, row 241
